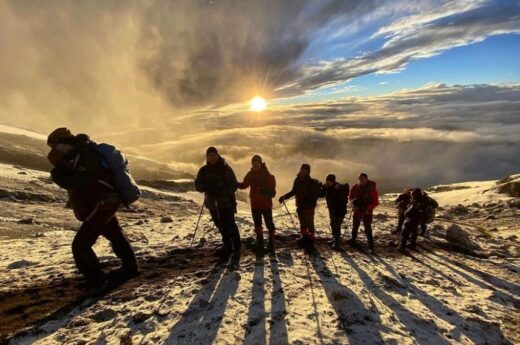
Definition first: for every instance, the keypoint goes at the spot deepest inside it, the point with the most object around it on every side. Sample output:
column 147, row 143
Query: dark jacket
column 419, row 211
column 218, row 183
column 337, row 197
column 365, row 198
column 263, row 187
column 307, row 192
column 403, row 200
column 83, row 175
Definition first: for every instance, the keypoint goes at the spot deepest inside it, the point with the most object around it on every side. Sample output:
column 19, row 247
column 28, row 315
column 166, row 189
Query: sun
column 258, row 104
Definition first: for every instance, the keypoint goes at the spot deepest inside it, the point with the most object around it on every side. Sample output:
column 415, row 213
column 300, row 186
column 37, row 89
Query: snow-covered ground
column 434, row 296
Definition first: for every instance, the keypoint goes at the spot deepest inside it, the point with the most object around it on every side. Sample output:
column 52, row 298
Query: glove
column 281, row 200
column 55, row 157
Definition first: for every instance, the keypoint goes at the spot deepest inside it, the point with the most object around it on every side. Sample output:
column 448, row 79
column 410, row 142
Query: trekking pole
column 197, row 226
column 348, row 221
column 290, row 216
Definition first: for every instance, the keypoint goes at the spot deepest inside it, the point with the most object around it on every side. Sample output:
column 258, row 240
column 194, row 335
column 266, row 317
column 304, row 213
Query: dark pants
column 267, row 215
column 336, row 219
column 306, row 219
column 400, row 221
column 410, row 232
column 224, row 219
column 101, row 223
column 366, row 218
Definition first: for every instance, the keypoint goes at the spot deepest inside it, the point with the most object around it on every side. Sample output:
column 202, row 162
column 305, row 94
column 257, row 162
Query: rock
column 512, row 238
column 166, row 219
column 514, row 203
column 459, row 209
column 457, row 236
column 20, row 264
column 104, row 315
column 28, row 220
column 490, row 205
column 491, row 217
column 510, row 187
column 139, row 222
column 476, row 204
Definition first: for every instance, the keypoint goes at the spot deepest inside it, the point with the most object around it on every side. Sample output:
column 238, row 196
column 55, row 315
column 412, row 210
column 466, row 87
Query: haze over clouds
column 163, row 79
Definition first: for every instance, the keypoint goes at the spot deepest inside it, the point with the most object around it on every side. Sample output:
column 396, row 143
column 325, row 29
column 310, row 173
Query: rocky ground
column 461, row 287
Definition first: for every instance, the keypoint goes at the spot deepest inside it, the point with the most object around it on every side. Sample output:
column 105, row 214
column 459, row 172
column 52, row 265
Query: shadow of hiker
column 255, row 327
column 501, row 297
column 489, row 333
column 488, row 278
column 200, row 322
column 419, row 329
column 358, row 323
column 278, row 328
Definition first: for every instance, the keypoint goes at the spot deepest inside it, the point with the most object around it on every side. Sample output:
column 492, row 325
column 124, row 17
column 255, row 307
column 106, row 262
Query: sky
column 413, row 93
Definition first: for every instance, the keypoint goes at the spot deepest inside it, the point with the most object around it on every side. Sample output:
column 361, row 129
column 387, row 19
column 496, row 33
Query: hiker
column 364, row 198
column 402, row 202
column 419, row 212
column 79, row 167
column 307, row 190
column 336, row 195
column 217, row 181
column 261, row 193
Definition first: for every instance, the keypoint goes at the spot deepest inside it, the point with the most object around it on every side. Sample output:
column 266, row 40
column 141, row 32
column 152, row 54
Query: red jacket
column 263, row 187
column 366, row 198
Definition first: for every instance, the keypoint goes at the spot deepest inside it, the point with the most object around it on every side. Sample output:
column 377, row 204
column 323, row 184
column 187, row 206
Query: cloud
column 413, row 37
column 434, row 134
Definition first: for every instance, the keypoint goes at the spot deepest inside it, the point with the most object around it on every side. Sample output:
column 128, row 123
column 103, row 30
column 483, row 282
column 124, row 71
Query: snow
column 480, row 192
column 291, row 297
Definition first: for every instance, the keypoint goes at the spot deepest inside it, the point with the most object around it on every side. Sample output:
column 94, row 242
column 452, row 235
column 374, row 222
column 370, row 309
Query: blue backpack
column 113, row 160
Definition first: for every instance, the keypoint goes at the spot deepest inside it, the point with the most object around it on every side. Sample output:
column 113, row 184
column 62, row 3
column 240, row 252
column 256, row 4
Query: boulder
column 166, row 219
column 460, row 238
column 514, row 203
column 510, row 187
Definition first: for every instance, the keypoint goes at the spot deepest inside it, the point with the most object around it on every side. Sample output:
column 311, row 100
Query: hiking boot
column 352, row 242
column 302, row 241
column 402, row 250
column 337, row 246
column 96, row 284
column 122, row 274
column 234, row 263
column 270, row 246
column 223, row 252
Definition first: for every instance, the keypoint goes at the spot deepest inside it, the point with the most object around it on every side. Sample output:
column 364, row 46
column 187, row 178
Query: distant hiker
column 307, row 190
column 401, row 203
column 364, row 198
column 262, row 191
column 336, row 195
column 217, row 181
column 84, row 169
column 421, row 210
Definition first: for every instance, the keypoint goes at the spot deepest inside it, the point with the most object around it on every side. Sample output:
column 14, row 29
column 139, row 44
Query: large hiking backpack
column 429, row 214
column 116, row 162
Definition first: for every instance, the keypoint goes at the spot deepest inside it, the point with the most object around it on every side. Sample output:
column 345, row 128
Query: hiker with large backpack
column 262, row 186
column 401, row 203
column 217, row 181
column 421, row 210
column 98, row 182
column 307, row 190
column 364, row 199
column 336, row 195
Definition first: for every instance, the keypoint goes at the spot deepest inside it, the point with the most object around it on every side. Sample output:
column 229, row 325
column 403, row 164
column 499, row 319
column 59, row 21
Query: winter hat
column 331, row 177
column 211, row 149
column 363, row 174
column 60, row 136
column 256, row 158
column 307, row 167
